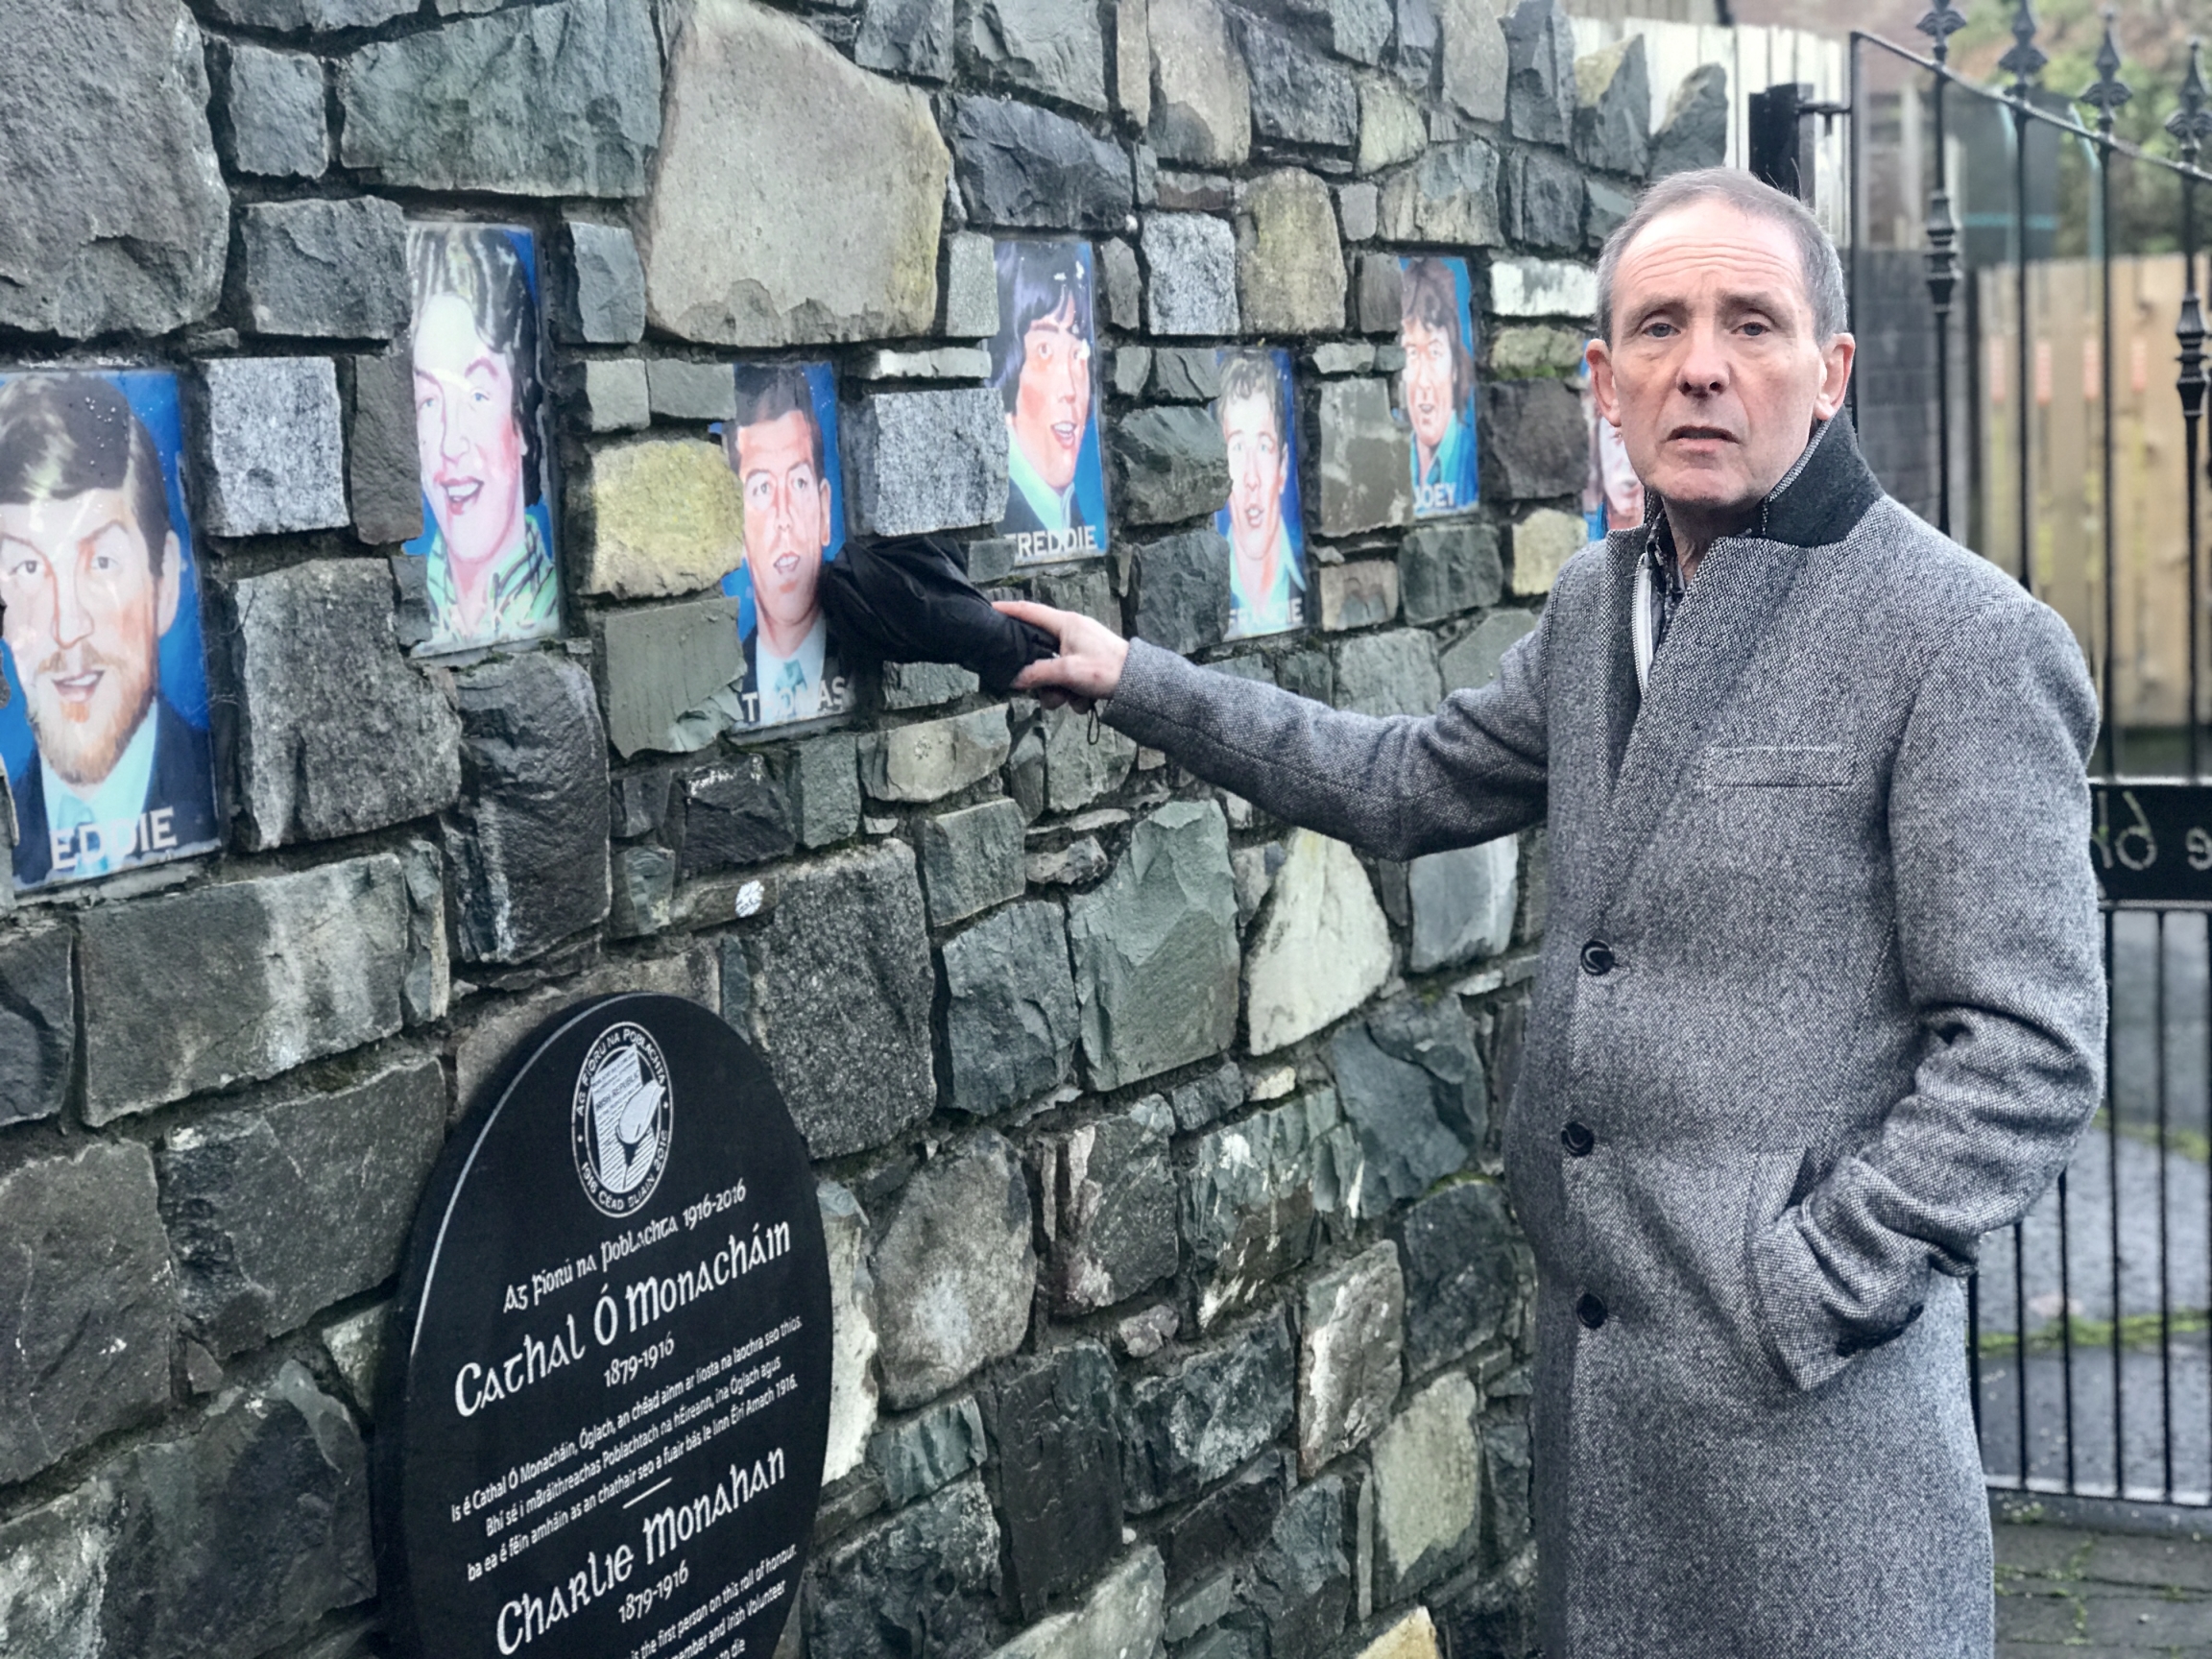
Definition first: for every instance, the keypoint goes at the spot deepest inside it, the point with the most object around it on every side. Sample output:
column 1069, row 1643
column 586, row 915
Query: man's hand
column 1089, row 666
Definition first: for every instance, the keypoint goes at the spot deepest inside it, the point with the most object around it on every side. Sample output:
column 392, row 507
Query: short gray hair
column 1816, row 252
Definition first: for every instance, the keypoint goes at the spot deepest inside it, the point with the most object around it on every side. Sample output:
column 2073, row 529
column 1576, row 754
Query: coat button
column 1590, row 1311
column 1597, row 958
column 1578, row 1140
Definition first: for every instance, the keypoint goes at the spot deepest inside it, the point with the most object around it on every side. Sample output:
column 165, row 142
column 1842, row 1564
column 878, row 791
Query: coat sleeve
column 2000, row 950
column 1395, row 787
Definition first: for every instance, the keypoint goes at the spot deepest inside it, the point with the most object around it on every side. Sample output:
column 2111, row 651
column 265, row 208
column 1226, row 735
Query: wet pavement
column 2061, row 1592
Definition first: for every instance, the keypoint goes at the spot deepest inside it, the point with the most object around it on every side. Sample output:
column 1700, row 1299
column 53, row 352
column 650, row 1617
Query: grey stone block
column 1185, row 1430
column 1540, row 83
column 1169, row 464
column 1297, row 96
column 970, row 287
column 1208, row 1541
column 1435, row 1037
column 269, row 111
column 1133, row 61
column 272, row 458
column 1039, row 46
column 1010, row 1020
column 1534, row 442
column 1448, row 195
column 929, row 759
column 1109, row 1208
column 1446, row 569
column 1201, row 91
column 660, row 669
column 1124, row 285
column 932, row 1567
column 842, row 988
column 336, row 269
column 1476, row 60
column 1363, row 462
column 85, row 1276
column 117, row 217
column 954, row 1271
column 239, row 981
column 1290, row 269
column 1078, row 771
column 971, row 861
column 1462, row 903
column 908, row 685
column 37, row 1023
column 1357, row 29
column 1414, row 55
column 1248, row 1202
column 924, row 1452
column 1208, row 1099
column 1352, row 1338
column 1183, row 374
column 603, row 301
column 428, row 989
column 527, row 843
column 853, row 1393
column 684, row 390
column 1307, row 673
column 1389, row 1104
column 1059, row 1482
column 939, row 363
column 1301, row 1586
column 1020, row 165
column 383, row 469
column 1474, row 661
column 925, row 461
column 909, row 38
column 1358, row 207
column 1604, row 209
column 1613, row 108
column 1155, row 948
column 1544, row 201
column 825, row 788
column 1467, row 1271
column 337, row 732
column 644, row 888
column 1428, row 1488
column 1695, row 130
column 1378, row 295
column 1182, row 590
column 559, row 100
column 1388, row 673
column 315, row 15
column 617, row 395
column 280, row 1206
column 1193, row 260
column 736, row 812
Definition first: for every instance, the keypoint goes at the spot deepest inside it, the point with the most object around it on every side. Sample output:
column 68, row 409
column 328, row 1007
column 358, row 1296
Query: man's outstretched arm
column 1393, row 787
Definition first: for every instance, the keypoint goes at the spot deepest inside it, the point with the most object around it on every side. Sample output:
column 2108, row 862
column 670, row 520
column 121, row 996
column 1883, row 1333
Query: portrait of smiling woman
column 479, row 438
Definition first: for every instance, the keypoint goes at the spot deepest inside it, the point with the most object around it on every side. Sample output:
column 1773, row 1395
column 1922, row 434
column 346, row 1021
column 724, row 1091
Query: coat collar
column 1655, row 737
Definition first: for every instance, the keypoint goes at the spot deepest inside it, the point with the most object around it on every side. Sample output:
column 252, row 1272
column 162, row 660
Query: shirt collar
column 777, row 701
column 1052, row 507
column 116, row 801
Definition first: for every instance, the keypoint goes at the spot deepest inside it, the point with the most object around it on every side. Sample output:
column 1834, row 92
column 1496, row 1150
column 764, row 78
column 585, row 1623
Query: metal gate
column 2091, row 1373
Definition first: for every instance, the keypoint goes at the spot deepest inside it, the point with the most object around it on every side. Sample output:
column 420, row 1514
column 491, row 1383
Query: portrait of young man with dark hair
column 785, row 467
column 480, row 438
column 1266, row 562
column 93, row 573
column 1437, row 329
column 1041, row 366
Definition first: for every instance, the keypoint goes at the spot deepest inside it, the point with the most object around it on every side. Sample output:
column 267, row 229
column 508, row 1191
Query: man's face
column 1257, row 465
column 85, row 619
column 1427, row 380
column 466, row 433
column 787, row 517
column 1052, row 400
column 1714, row 376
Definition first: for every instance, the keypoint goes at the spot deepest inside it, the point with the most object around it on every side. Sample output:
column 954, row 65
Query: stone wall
column 1178, row 1301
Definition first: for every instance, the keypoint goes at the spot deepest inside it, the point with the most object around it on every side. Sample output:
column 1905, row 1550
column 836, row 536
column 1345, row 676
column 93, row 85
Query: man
column 1266, row 587
column 774, row 446
column 1439, row 379
column 1819, row 1000
column 478, row 439
column 1041, row 366
column 92, row 576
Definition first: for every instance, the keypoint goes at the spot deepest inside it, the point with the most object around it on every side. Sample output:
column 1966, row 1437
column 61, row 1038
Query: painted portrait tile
column 1043, row 365
column 782, row 447
column 481, row 438
column 1437, row 329
column 104, row 731
column 1261, row 518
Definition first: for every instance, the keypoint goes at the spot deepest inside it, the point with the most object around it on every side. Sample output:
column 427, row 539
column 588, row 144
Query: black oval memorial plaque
column 604, row 1436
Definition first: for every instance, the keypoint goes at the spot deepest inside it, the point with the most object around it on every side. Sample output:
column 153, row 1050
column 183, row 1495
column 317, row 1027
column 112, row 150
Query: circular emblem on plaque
column 622, row 1119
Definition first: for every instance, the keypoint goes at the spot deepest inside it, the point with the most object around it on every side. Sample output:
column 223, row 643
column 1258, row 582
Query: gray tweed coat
column 1820, row 1003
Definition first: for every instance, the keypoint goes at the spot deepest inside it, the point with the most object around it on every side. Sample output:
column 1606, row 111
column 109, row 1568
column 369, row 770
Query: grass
column 2137, row 1330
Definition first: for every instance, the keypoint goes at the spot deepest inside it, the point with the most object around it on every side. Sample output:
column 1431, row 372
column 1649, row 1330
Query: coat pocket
column 1773, row 1190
